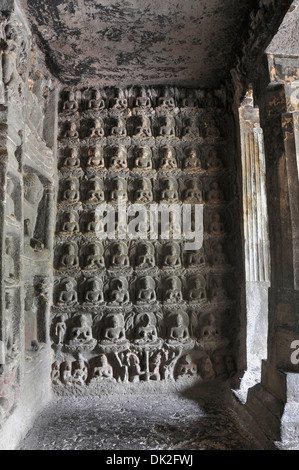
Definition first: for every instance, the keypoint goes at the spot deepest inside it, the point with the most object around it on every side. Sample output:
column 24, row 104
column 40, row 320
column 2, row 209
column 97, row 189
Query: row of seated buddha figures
column 92, row 99
column 176, row 329
column 140, row 127
column 144, row 291
column 143, row 255
column 96, row 222
column 142, row 158
column 133, row 366
column 168, row 190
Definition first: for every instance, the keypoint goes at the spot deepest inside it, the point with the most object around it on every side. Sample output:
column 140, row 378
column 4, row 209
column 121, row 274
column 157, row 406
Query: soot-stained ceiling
column 108, row 42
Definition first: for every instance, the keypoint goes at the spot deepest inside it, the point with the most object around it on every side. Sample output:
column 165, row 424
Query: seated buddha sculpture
column 95, row 191
column 144, row 192
column 146, row 290
column 168, row 160
column 143, row 158
column 119, row 294
column 142, row 100
column 95, row 158
column 118, row 159
column 96, row 102
column 72, row 161
column 119, row 255
column 94, row 257
column 70, row 224
column 191, row 160
column 71, row 104
column 169, row 192
column 69, row 258
column 145, row 257
column 119, row 100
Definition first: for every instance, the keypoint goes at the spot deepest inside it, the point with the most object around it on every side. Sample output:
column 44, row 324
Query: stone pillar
column 256, row 241
column 275, row 401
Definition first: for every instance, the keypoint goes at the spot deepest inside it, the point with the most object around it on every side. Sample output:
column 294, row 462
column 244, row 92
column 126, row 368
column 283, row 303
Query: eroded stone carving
column 143, row 127
column 95, row 158
column 72, row 161
column 187, row 367
column 71, row 131
column 98, row 128
column 94, row 257
column 172, row 255
column 193, row 193
column 9, row 264
column 197, row 288
column 71, row 104
column 146, row 291
column 69, row 259
column 71, row 192
column 145, row 255
column 190, row 100
column 165, row 99
column 143, row 159
column 216, row 226
column 119, row 294
column 168, row 160
column 119, row 101
column 96, row 102
column 169, row 192
column 10, row 204
column 70, row 224
column 214, row 163
column 167, row 126
column 145, row 329
column 60, row 328
column 102, row 370
column 31, row 341
column 196, row 258
column 68, row 294
column 80, row 335
column 119, row 256
column 191, row 160
column 95, row 224
column 142, row 100
column 118, row 128
column 114, row 329
column 215, row 194
column 217, row 289
column 33, row 193
column 177, row 328
column 118, row 159
column 95, row 191
column 94, row 291
column 143, row 193
column 118, row 192
column 80, row 372
column 173, row 290
column 190, row 129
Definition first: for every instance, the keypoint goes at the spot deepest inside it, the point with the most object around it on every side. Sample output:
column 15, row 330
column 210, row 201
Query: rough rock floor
column 166, row 421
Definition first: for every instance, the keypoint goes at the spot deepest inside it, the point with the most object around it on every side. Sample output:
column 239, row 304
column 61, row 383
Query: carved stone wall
column 143, row 309
column 27, row 204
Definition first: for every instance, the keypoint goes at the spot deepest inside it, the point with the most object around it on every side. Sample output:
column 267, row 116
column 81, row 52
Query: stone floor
column 165, row 421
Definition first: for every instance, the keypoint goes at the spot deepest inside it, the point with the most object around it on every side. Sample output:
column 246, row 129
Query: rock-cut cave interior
column 149, row 221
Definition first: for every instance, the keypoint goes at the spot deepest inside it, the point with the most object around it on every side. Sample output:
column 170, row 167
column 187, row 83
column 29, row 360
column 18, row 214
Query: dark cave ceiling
column 107, row 42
